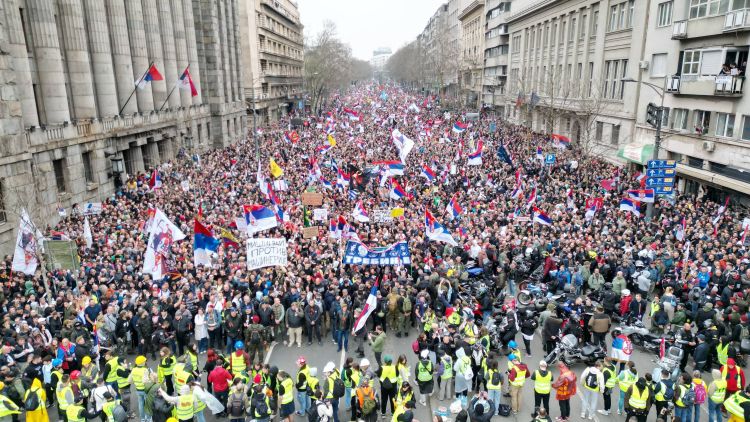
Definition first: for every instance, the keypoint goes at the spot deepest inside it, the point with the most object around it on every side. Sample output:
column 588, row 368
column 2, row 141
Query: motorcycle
column 672, row 358
column 639, row 335
column 569, row 353
column 530, row 292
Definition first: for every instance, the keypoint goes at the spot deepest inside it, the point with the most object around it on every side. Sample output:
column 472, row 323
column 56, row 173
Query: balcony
column 737, row 20
column 721, row 85
column 679, row 30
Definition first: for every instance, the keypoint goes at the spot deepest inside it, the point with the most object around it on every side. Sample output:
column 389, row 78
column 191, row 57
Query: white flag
column 163, row 234
column 25, row 257
column 261, row 181
column 87, row 233
column 185, row 184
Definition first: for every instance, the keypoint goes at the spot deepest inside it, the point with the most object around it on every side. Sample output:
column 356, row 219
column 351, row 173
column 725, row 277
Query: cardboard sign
column 312, row 198
column 320, row 214
column 266, row 253
column 310, row 232
column 381, row 215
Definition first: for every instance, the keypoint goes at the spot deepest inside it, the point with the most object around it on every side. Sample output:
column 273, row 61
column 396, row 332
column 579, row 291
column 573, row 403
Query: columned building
column 70, row 112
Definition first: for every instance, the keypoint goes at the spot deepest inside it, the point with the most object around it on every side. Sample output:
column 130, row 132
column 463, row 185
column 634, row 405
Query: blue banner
column 502, row 154
column 357, row 253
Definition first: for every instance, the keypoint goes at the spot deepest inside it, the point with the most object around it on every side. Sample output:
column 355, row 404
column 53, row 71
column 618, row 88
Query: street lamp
column 118, row 167
column 655, row 114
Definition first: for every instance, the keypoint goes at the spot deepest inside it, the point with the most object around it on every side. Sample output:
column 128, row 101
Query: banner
column 358, row 254
column 266, row 253
column 162, row 235
column 25, row 258
column 320, row 214
column 381, row 216
column 185, row 185
column 92, row 208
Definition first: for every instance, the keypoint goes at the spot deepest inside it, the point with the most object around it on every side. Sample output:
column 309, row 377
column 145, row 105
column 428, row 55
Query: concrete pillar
column 230, row 25
column 17, row 49
column 121, row 58
column 224, row 45
column 212, row 54
column 181, row 53
column 139, row 54
column 48, row 60
column 101, row 57
column 196, row 64
column 155, row 51
column 136, row 159
column 152, row 149
column 77, row 58
column 171, row 73
column 239, row 94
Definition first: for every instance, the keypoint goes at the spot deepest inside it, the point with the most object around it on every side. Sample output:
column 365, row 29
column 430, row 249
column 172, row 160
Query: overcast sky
column 369, row 24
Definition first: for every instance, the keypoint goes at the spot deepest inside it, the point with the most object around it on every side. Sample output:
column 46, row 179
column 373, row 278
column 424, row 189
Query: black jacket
column 486, row 416
column 701, row 352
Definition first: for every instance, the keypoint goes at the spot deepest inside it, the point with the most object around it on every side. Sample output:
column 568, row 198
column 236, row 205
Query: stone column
column 230, row 25
column 17, row 47
column 171, row 73
column 155, row 52
column 136, row 159
column 212, row 54
column 121, row 58
column 139, row 54
column 101, row 57
column 224, row 45
column 77, row 58
column 48, row 60
column 196, row 64
column 184, row 95
column 152, row 149
column 239, row 94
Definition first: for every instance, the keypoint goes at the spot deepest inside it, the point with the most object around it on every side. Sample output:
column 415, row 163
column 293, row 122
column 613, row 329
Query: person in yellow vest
column 40, row 413
column 638, row 399
column 738, row 405
column 404, row 372
column 625, row 379
column 184, row 403
column 610, row 381
column 454, row 317
column 683, row 411
column 331, row 374
column 445, row 378
column 238, row 361
column 7, row 408
column 139, row 377
column 663, row 392
column 191, row 358
column 303, row 372
column 517, row 374
column 424, row 372
column 542, row 378
column 404, row 400
column 181, row 376
column 313, row 383
column 123, row 384
column 199, row 395
column 64, row 395
column 494, row 379
column 286, row 396
column 166, row 369
column 110, row 369
column 108, row 408
column 76, row 412
column 55, row 376
column 469, row 330
column 514, row 350
column 350, row 375
column 717, row 392
column 722, row 350
column 388, row 384
column 89, row 371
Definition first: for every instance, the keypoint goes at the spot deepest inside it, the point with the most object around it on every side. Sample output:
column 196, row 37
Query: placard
column 312, row 198
column 381, row 215
column 320, row 214
column 92, row 208
column 266, row 253
column 310, row 232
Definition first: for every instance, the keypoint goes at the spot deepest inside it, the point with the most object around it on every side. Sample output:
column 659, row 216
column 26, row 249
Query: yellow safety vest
column 199, row 405
column 122, row 382
column 184, row 410
column 356, row 376
column 424, row 371
column 720, row 391
column 312, row 384
column 388, row 372
column 237, row 363
column 7, row 407
column 654, row 309
column 193, row 362
column 490, row 384
column 734, row 405
column 486, row 342
column 725, row 371
column 62, row 400
column 722, row 353
column 114, row 365
column 108, row 408
column 139, row 373
column 268, row 406
column 180, row 376
column 625, row 379
column 306, row 372
column 638, row 399
column 454, row 319
column 447, row 367
column 542, row 384
column 520, row 376
column 73, row 412
column 288, row 395
column 662, row 389
column 682, row 390
column 168, row 370
column 612, row 380
column 331, row 378
column 469, row 334
column 427, row 326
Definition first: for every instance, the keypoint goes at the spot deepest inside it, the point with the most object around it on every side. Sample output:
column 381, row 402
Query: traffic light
column 653, row 114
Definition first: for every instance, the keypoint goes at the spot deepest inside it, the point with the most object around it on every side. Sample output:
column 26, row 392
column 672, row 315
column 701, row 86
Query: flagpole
column 134, row 88
column 168, row 95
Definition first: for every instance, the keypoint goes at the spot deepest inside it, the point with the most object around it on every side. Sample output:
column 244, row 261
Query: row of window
column 277, row 27
column 502, row 7
column 700, row 122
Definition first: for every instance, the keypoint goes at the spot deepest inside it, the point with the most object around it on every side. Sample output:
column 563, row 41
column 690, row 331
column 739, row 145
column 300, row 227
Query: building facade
column 496, row 48
column 69, row 109
column 439, row 43
column 472, row 52
column 272, row 57
column 380, row 57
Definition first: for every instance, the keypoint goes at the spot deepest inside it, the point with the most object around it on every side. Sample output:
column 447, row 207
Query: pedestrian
column 301, row 383
column 295, row 320
column 219, row 379
column 424, row 374
column 565, row 388
column 481, row 408
column 599, row 325
column 445, row 375
column 738, row 405
column 365, row 407
column 517, row 374
column 717, row 394
column 700, row 389
column 593, row 383
column 684, row 399
column 638, row 401
column 201, row 331
column 494, row 379
column 377, row 343
column 625, row 379
column 543, row 379
column 734, row 375
column 388, row 384
column 663, row 392
column 286, row 396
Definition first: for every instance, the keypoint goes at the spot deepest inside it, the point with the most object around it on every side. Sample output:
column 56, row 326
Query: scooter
column 569, row 353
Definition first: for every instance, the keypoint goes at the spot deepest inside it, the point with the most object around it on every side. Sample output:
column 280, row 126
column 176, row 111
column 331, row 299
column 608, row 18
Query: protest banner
column 357, row 253
column 381, row 216
column 320, row 214
column 312, row 199
column 266, row 253
column 92, row 208
column 310, row 232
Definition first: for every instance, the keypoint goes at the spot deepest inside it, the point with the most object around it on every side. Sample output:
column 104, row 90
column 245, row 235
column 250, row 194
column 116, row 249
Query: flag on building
column 630, row 205
column 540, row 217
column 428, row 173
column 459, row 127
column 186, row 82
column 258, row 218
column 162, row 236
column 641, row 195
column 520, row 99
column 204, row 244
column 367, row 309
column 453, row 208
column 155, row 181
column 360, row 214
column 87, row 233
column 152, row 74
column 534, row 100
column 435, row 231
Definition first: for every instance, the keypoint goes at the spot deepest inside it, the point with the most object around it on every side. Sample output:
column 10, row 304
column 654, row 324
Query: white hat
column 625, row 292
column 313, row 372
column 330, row 366
column 364, row 362
column 424, row 354
column 543, row 363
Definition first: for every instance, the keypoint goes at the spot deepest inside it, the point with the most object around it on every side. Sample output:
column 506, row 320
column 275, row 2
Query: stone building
column 70, row 115
column 472, row 52
column 272, row 57
column 496, row 46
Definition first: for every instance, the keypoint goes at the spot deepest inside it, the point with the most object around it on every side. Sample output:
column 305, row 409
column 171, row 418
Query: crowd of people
column 194, row 341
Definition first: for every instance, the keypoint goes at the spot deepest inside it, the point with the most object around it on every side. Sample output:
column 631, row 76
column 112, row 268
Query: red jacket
column 220, row 378
column 625, row 304
column 565, row 385
column 731, row 377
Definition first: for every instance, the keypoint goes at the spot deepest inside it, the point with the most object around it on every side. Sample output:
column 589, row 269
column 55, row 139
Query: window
column 572, row 30
column 665, row 117
column 615, row 134
column 562, row 32
column 614, row 70
column 664, row 14
column 3, row 217
column 59, row 168
column 621, row 16
column 87, row 173
column 594, row 21
column 659, row 65
column 590, row 78
column 701, row 121
column 690, row 62
column 703, row 8
column 516, row 44
column 745, row 136
column 725, row 125
column 582, row 27
column 710, row 62
column 680, row 119
column 599, row 131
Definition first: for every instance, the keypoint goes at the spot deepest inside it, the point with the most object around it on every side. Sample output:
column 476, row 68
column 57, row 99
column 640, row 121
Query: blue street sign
column 549, row 159
column 664, row 190
column 660, row 173
column 659, row 181
column 662, row 164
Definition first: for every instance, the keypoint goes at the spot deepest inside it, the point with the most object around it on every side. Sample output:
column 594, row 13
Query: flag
column 630, row 205
column 520, row 99
column 369, row 306
column 403, row 144
column 534, row 100
column 280, row 185
column 204, row 244
column 331, row 140
column 641, row 195
column 607, row 184
column 503, row 154
column 351, row 114
column 229, row 239
column 571, row 202
column 274, row 169
column 392, row 168
column 540, row 217
column 428, row 173
column 326, row 183
column 343, row 179
column 435, row 231
column 453, row 208
column 87, row 233
column 155, row 181
column 475, row 158
column 333, row 229
column 720, row 212
column 539, row 154
column 744, row 235
column 162, row 236
column 531, row 199
column 641, row 179
column 517, row 192
column 186, row 82
column 152, row 74
column 560, row 139
column 353, row 194
column 58, row 235
column 258, row 218
column 397, row 192
column 262, row 184
column 360, row 214
column 592, row 206
column 459, row 127
column 679, row 233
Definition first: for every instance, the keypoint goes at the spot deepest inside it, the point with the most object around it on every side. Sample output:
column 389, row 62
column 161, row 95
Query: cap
column 424, row 354
column 256, row 319
column 330, row 366
column 543, row 363
column 625, row 292
column 301, row 360
column 364, row 362
column 730, row 362
column 75, row 375
column 140, row 360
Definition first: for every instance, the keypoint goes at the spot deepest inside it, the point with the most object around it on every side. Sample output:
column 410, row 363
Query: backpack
column 255, row 337
column 368, row 405
column 700, row 393
column 32, row 400
column 668, row 391
column 415, row 346
column 119, row 414
column 312, row 412
column 688, row 399
column 338, row 388
column 162, row 406
column 503, row 410
column 496, row 378
column 393, row 305
column 406, row 306
column 236, row 405
column 260, row 406
column 592, row 381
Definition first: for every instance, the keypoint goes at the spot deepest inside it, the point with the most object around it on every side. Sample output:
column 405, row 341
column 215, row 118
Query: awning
column 637, row 153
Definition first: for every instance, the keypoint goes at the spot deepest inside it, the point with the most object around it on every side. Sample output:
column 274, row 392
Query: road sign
column 549, row 159
column 659, row 181
column 664, row 190
column 662, row 164
column 661, row 173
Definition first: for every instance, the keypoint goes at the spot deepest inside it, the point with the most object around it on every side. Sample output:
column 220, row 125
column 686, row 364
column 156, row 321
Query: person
column 388, row 384
column 166, row 369
column 184, row 403
column 517, row 374
column 494, row 381
column 599, row 325
column 663, row 392
column 738, row 405
column 481, row 408
column 40, row 413
column 366, row 401
column 542, row 386
column 542, row 415
column 108, row 409
column 303, row 372
column 424, row 374
column 286, row 396
column 77, row 412
column 219, row 379
column 237, row 401
column 260, row 404
column 239, row 361
column 717, row 390
column 625, row 379
column 700, row 390
column 332, row 375
column 610, row 381
column 404, row 400
column 324, row 407
column 350, row 376
column 734, row 375
column 445, row 375
column 64, row 395
column 463, row 374
column 638, row 401
column 565, row 388
column 295, row 320
column 684, row 398
column 701, row 353
column 377, row 343
column 593, row 383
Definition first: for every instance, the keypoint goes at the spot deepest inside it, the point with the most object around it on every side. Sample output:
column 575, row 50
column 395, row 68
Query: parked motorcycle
column 674, row 351
column 569, row 352
column 639, row 335
column 530, row 292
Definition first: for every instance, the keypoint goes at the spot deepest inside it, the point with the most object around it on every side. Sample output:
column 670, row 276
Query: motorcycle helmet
column 568, row 288
column 639, row 264
column 512, row 344
column 607, row 286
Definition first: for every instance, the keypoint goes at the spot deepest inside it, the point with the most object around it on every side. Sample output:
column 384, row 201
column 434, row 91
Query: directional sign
column 664, row 190
column 662, row 164
column 659, row 181
column 549, row 159
column 661, row 173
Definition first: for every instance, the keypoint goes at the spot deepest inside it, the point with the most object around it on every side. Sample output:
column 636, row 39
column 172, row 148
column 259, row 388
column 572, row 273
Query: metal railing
column 679, row 29
column 737, row 19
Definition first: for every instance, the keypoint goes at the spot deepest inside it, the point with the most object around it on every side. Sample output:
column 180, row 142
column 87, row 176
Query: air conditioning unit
column 709, row 146
column 643, row 65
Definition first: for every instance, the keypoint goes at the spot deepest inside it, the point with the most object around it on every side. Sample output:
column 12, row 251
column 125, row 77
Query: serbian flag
column 322, row 149
column 560, row 139
column 392, row 168
column 453, row 208
column 326, row 183
column 258, row 218
column 204, row 244
column 435, row 231
column 291, row 137
column 370, row 304
column 592, row 206
column 517, row 192
column 607, row 184
column 360, row 214
column 152, row 74
column 186, row 82
column 630, row 205
column 428, row 173
column 539, row 154
column 641, row 195
column 475, row 158
column 541, row 218
column 397, row 192
column 531, row 199
column 351, row 114
column 155, row 181
column 459, row 127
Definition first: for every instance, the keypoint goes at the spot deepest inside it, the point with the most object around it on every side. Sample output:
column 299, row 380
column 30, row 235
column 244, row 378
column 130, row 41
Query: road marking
column 342, row 360
column 269, row 352
column 580, row 396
